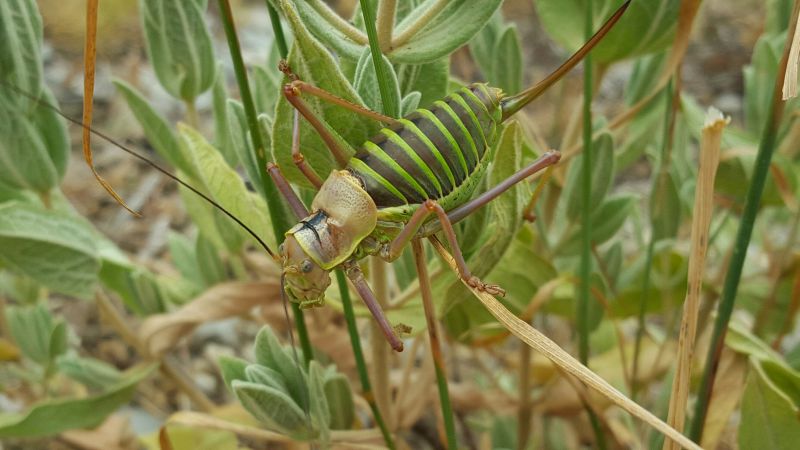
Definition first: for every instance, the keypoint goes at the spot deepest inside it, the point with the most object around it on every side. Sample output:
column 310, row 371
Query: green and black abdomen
column 430, row 152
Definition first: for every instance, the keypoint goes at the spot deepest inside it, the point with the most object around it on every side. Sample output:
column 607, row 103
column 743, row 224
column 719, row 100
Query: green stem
column 277, row 30
column 390, row 107
column 277, row 212
column 730, row 287
column 358, row 354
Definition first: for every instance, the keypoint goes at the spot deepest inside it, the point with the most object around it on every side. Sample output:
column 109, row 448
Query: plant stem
column 390, row 107
column 380, row 351
column 358, row 354
column 743, row 235
column 277, row 30
column 422, row 20
column 191, row 113
column 386, row 12
column 525, row 408
column 436, row 349
column 277, row 212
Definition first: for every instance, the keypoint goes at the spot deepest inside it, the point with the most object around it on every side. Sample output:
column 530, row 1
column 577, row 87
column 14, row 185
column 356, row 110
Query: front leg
column 392, row 251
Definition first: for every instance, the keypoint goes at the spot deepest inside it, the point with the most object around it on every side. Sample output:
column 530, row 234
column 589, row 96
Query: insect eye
column 306, row 266
column 280, row 249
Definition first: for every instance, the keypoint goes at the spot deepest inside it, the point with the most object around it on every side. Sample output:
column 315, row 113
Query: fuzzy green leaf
column 453, row 27
column 366, row 82
column 179, row 46
column 20, row 43
column 340, row 401
column 270, row 353
column 320, row 412
column 602, row 176
column 32, row 328
column 232, row 369
column 52, row 417
column 54, row 249
column 274, row 408
column 91, row 372
column 429, row 79
column 507, row 62
column 665, row 207
column 606, row 221
column 256, row 373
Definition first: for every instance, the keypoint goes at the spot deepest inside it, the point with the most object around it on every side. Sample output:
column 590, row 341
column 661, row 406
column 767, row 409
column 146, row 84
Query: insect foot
column 492, row 289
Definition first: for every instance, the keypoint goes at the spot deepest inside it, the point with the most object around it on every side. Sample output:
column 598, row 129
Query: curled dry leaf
column 161, row 332
column 115, row 433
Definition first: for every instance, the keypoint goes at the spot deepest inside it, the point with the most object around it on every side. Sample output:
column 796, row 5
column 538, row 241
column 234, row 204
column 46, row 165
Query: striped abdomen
column 430, row 152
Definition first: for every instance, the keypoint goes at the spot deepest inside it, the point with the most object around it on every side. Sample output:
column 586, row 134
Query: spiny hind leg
column 410, row 230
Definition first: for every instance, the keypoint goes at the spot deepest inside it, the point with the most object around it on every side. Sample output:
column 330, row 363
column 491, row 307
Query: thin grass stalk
column 648, row 261
column 277, row 30
column 381, row 351
column 358, row 355
column 277, row 213
column 586, row 229
column 525, row 408
column 752, row 201
column 390, row 107
column 436, row 348
column 701, row 220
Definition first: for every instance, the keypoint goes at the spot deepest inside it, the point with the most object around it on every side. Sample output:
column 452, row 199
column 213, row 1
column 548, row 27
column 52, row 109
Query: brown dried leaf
column 114, row 433
column 728, row 391
column 161, row 332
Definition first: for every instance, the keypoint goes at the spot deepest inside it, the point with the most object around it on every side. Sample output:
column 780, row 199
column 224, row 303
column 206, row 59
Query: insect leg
column 410, row 230
column 548, row 159
column 298, row 208
column 298, row 158
column 365, row 292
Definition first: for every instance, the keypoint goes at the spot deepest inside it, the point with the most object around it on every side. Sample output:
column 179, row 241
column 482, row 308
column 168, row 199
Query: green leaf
column 91, row 372
column 242, row 144
column 321, row 20
column 20, row 43
column 314, row 64
column 507, row 62
column 340, row 401
column 602, row 176
column 769, row 414
column 52, row 417
column 409, row 103
column 270, row 353
column 209, row 263
column 232, row 369
column 179, row 46
column 272, row 407
column 158, row 131
column 222, row 130
column 224, row 185
column 366, row 82
column 32, row 328
column 259, row 374
column 606, row 221
column 453, row 27
column 54, row 249
column 184, row 257
column 193, row 438
column 759, row 79
column 429, row 79
column 320, row 412
column 34, row 147
column 646, row 27
column 665, row 207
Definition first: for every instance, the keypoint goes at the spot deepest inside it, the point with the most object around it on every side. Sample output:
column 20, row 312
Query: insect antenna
column 516, row 102
column 145, row 159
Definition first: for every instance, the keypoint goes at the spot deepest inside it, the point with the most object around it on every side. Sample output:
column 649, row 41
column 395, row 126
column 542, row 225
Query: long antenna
column 516, row 102
column 143, row 158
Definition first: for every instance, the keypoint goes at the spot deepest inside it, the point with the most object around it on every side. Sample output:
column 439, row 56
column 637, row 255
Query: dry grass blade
column 701, row 220
column 728, row 391
column 341, row 439
column 161, row 332
column 564, row 360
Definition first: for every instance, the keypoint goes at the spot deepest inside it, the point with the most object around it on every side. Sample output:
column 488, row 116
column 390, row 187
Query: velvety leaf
column 274, row 408
column 20, row 43
column 259, row 374
column 270, row 353
column 315, row 65
column 507, row 60
column 429, row 79
column 366, row 82
column 52, row 417
column 759, row 79
column 328, row 27
column 91, row 372
column 340, row 402
column 54, row 249
column 607, row 219
column 453, row 27
column 409, row 103
column 482, row 46
column 158, row 131
column 32, row 328
column 646, row 27
column 242, row 144
column 320, row 412
column 184, row 257
column 232, row 369
column 33, row 145
column 769, row 415
column 224, row 184
column 209, row 262
column 222, row 130
column 179, row 46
